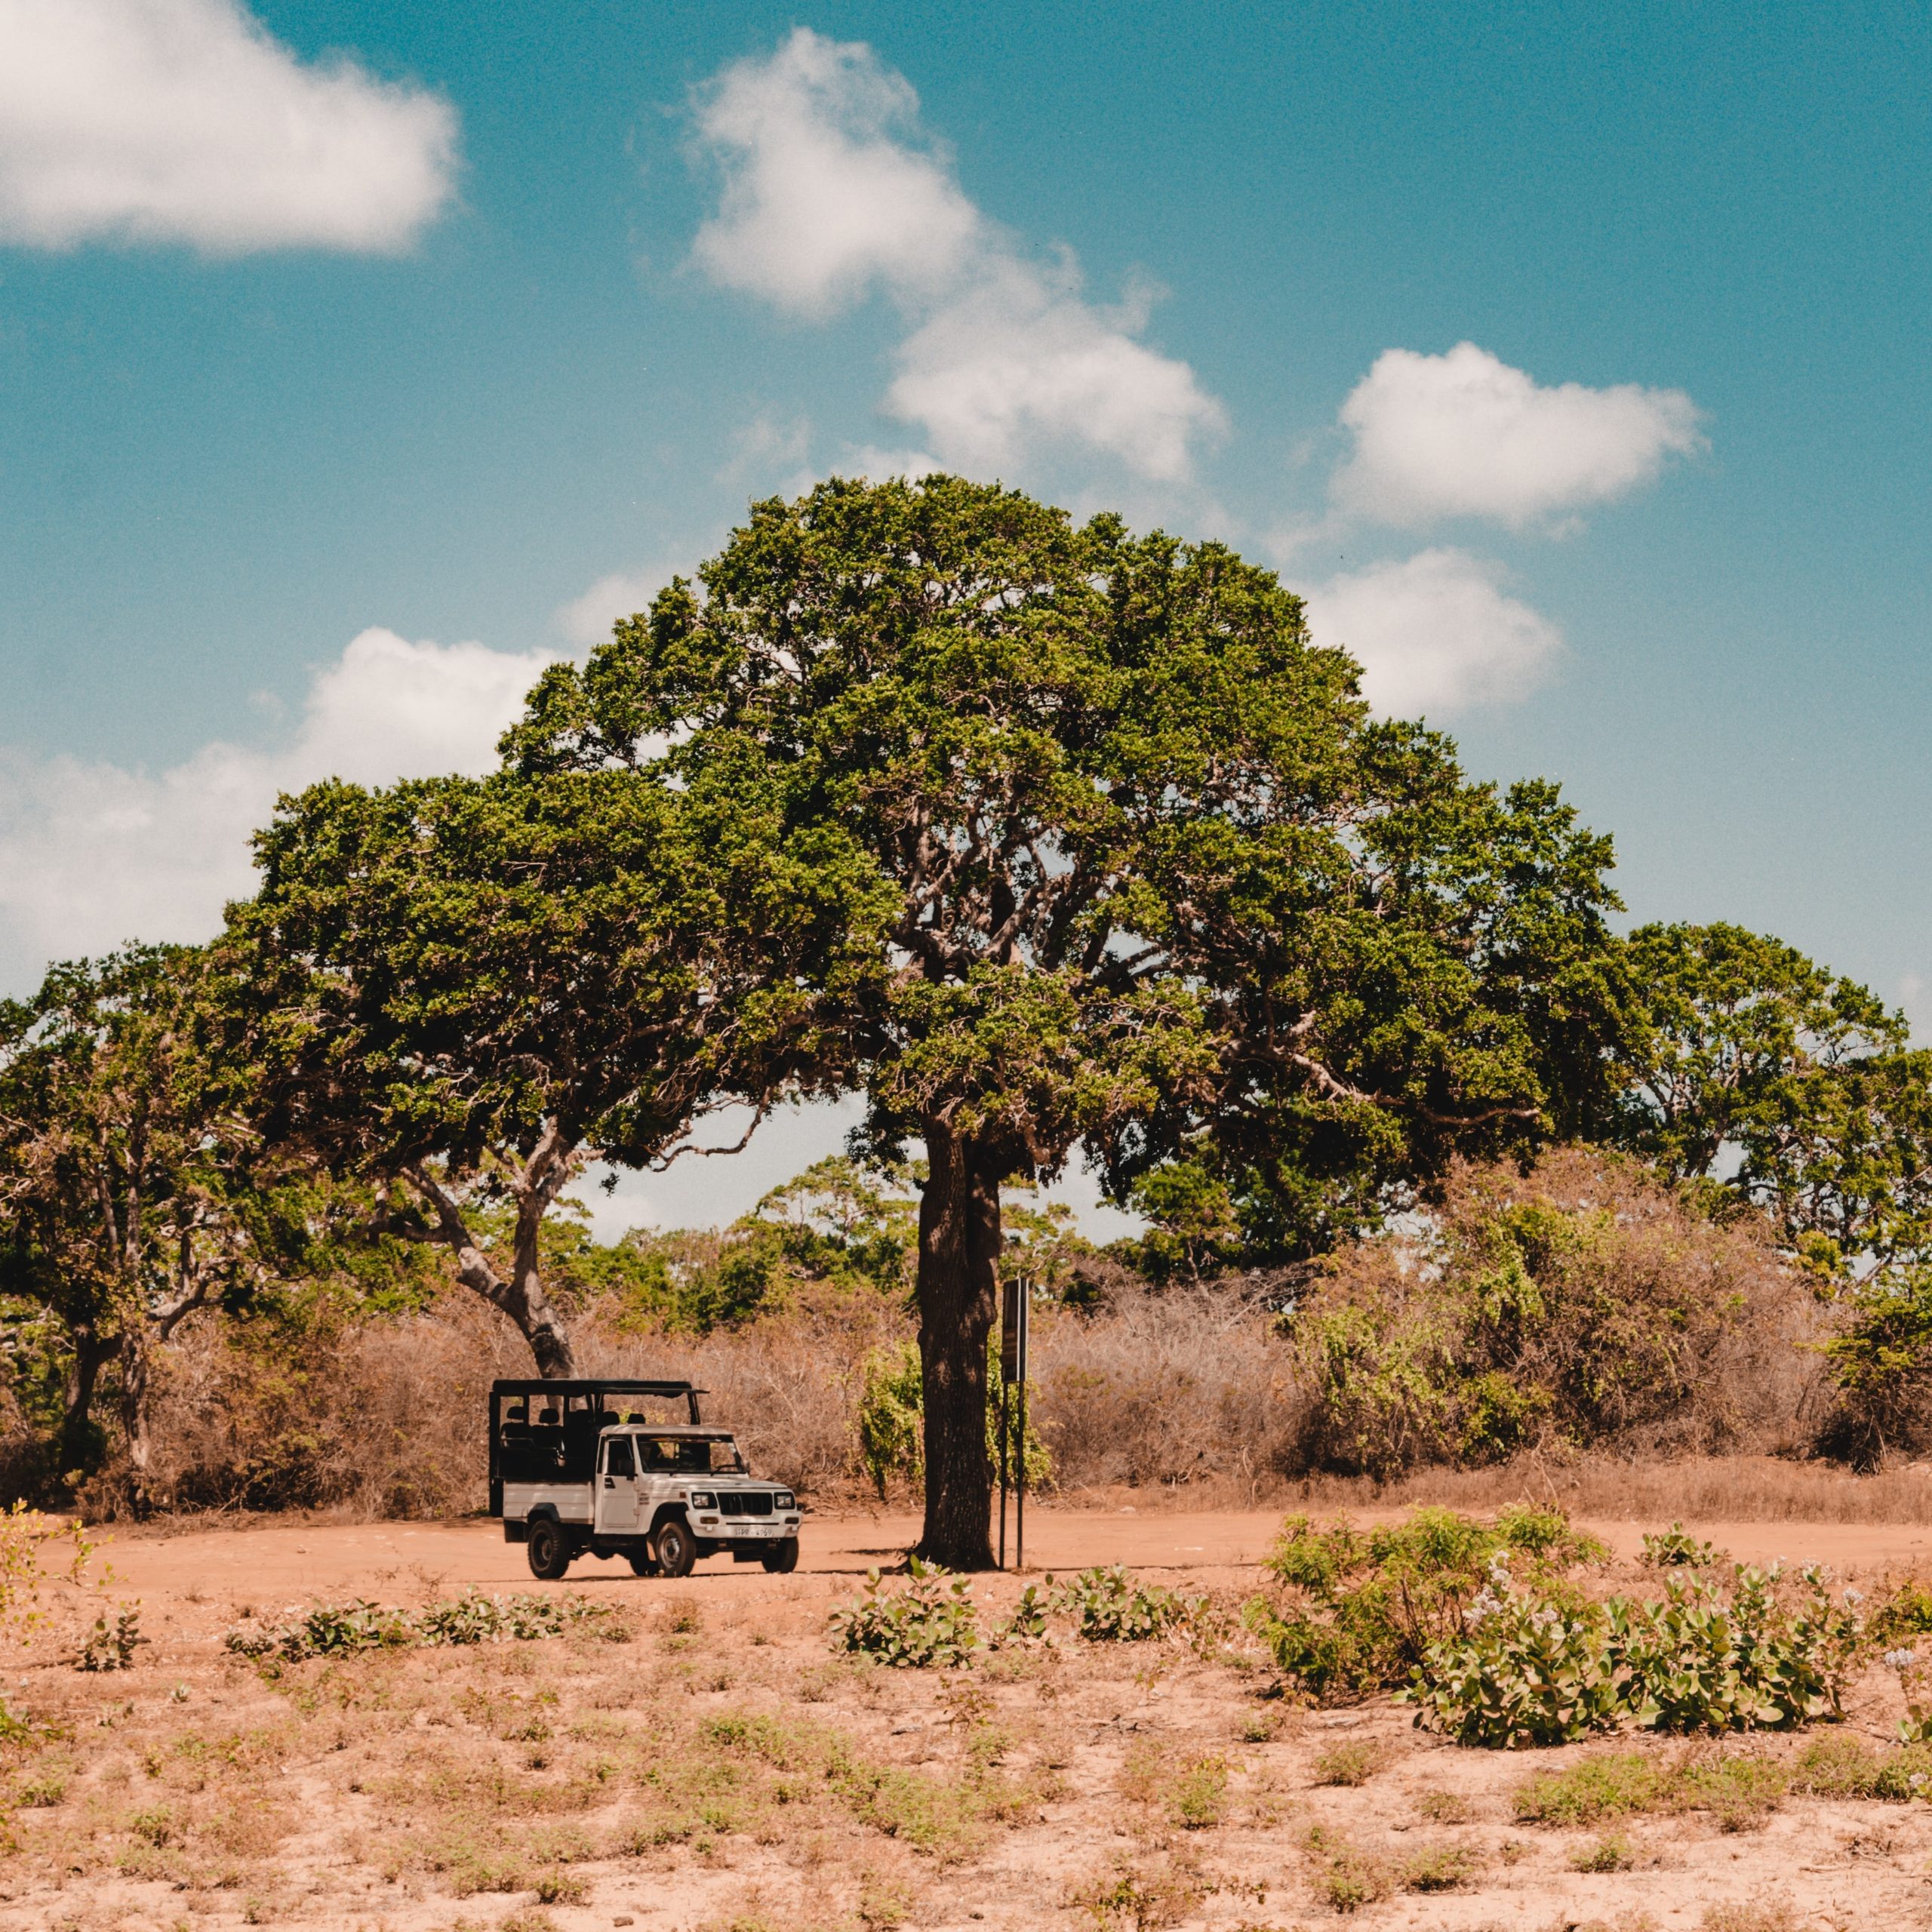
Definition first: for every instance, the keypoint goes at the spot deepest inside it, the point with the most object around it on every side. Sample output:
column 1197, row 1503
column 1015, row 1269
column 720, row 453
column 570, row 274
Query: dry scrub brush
column 1583, row 1308
column 1585, row 1301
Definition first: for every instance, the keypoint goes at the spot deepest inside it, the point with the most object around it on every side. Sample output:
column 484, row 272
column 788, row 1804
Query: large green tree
column 462, row 991
column 1156, row 880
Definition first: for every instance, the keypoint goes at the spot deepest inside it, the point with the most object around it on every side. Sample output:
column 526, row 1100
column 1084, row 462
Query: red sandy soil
column 275, row 1559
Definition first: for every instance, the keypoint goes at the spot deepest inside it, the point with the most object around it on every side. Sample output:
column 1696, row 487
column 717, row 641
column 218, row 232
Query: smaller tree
column 1790, row 1088
column 131, row 1193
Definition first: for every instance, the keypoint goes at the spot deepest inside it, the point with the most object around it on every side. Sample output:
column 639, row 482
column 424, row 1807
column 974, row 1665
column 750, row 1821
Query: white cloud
column 93, row 853
column 827, row 187
column 831, row 190
column 1434, row 632
column 183, row 120
column 1020, row 354
column 1464, row 434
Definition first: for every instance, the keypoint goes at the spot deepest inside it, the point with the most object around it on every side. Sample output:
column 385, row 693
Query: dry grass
column 680, row 1777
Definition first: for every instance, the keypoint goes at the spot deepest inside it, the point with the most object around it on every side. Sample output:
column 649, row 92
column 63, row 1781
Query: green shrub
column 1437, row 1867
column 1199, row 1797
column 1108, row 1607
column 1527, row 1669
column 1738, row 1790
column 933, row 1620
column 1610, row 1852
column 1699, row 1661
column 332, row 1630
column 111, row 1646
column 1344, row 1878
column 1906, row 1613
column 1673, row 1548
column 1843, row 1765
column 1367, row 1607
column 1589, row 1300
column 1526, row 1672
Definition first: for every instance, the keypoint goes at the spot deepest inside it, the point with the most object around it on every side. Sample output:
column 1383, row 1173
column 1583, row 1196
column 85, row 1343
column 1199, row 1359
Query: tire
column 677, row 1548
column 550, row 1549
column 782, row 1557
column 642, row 1563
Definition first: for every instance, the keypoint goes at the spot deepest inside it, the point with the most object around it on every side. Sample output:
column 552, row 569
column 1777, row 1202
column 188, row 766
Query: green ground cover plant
column 932, row 1621
column 338, row 1630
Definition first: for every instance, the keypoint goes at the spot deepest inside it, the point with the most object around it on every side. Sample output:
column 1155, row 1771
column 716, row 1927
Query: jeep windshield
column 691, row 1455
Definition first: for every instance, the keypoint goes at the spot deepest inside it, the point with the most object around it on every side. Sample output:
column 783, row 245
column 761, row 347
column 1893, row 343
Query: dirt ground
column 695, row 1756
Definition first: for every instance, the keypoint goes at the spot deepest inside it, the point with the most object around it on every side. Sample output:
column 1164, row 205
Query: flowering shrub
column 1698, row 1661
column 1528, row 1671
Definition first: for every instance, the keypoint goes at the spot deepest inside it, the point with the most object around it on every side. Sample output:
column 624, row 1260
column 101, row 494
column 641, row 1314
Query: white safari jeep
column 581, row 1466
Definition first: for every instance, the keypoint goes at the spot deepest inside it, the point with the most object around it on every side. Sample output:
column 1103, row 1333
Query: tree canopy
column 463, row 990
column 1154, row 878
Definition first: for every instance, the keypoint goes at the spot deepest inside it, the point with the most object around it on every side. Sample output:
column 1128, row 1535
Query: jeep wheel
column 641, row 1561
column 782, row 1558
column 550, row 1549
column 677, row 1548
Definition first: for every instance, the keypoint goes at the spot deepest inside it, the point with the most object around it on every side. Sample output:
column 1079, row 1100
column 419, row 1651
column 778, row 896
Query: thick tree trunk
column 959, row 1237
column 76, row 1444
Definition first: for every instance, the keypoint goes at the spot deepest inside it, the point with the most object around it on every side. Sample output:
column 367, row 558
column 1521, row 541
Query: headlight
column 703, row 1499
column 784, row 1499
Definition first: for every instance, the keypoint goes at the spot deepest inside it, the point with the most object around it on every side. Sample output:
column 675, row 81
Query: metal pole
column 1004, row 1393
column 1019, row 1509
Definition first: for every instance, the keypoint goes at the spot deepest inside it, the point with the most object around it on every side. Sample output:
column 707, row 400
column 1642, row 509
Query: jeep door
column 616, row 1488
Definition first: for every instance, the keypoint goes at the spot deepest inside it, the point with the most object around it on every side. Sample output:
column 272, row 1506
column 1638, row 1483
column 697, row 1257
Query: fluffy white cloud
column 831, row 190
column 828, row 187
column 182, row 121
column 1464, row 434
column 1434, row 632
column 93, row 853
column 1020, row 354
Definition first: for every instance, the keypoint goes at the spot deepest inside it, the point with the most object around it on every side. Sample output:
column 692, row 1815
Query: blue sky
column 314, row 444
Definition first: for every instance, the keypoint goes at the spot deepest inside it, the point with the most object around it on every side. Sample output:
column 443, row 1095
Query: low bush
column 1673, row 1548
column 1438, row 1867
column 1365, row 1609
column 1528, row 1671
column 931, row 1621
column 1199, row 1795
column 1843, row 1765
column 1703, row 1661
column 1610, row 1852
column 1349, row 1763
column 111, row 1644
column 1108, row 1607
column 1342, row 1875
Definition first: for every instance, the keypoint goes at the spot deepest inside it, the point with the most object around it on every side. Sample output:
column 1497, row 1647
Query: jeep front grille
column 750, row 1504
